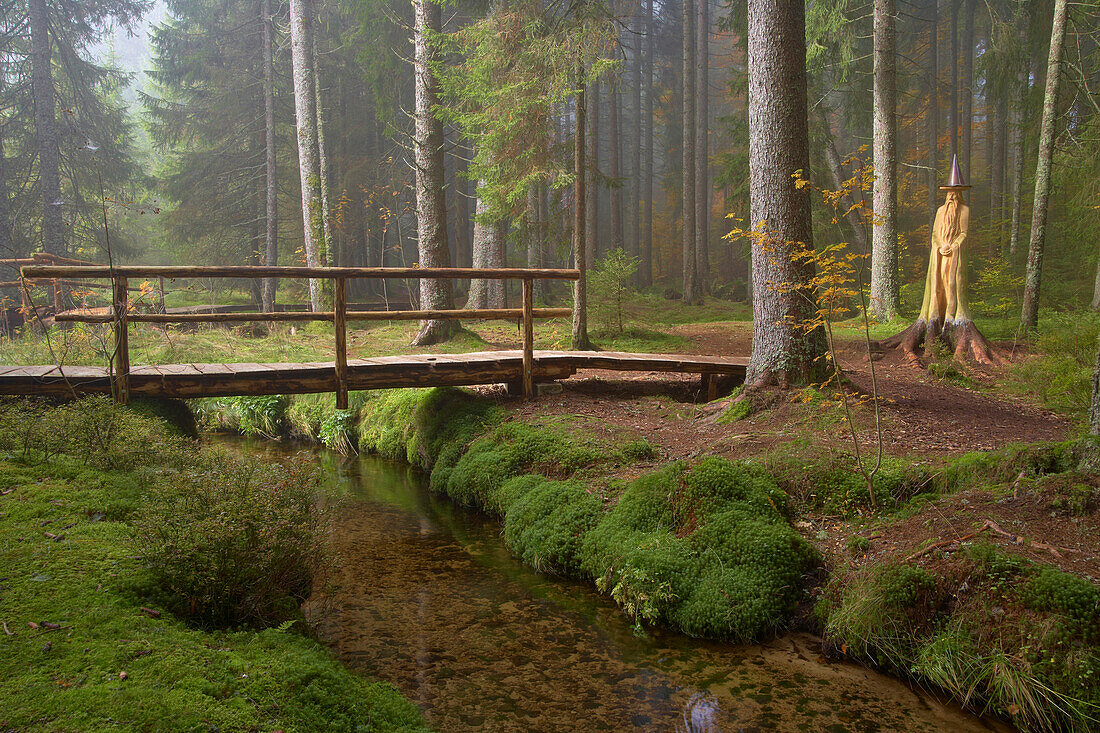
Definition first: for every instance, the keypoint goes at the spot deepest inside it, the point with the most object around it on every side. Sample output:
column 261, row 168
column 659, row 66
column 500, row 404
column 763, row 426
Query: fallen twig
column 150, row 612
column 1021, row 540
column 6, row 631
column 944, row 543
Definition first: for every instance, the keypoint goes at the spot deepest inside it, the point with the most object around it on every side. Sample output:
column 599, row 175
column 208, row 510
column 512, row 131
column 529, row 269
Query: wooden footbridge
column 521, row 368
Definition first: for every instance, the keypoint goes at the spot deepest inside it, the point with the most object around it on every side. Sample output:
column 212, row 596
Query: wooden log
column 340, row 304
column 528, row 337
column 121, row 360
column 39, row 272
column 466, row 315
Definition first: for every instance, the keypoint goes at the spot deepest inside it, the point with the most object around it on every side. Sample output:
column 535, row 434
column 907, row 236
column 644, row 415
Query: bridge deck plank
column 485, row 367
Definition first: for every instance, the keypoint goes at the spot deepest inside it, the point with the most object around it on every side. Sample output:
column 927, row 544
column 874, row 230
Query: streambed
column 431, row 600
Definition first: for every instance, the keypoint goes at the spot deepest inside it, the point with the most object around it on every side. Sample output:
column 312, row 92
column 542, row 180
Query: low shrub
column 1036, row 663
column 95, row 430
column 234, row 542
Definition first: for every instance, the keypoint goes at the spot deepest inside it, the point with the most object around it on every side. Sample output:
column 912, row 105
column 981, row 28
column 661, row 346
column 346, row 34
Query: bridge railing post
column 340, row 321
column 528, row 336
column 121, row 362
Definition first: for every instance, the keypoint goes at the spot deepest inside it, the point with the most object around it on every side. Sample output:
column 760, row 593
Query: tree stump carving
column 945, row 312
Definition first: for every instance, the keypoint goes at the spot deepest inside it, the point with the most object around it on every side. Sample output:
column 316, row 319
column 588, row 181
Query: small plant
column 858, row 545
column 610, row 282
column 234, row 542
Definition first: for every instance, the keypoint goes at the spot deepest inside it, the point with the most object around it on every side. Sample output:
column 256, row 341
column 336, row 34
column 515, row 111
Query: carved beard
column 950, row 224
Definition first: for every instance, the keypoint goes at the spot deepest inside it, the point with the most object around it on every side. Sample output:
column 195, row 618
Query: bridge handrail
column 121, row 317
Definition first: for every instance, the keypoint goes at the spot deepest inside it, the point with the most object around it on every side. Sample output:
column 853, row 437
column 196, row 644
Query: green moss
column 545, row 523
column 175, row 414
column 94, row 585
column 705, row 549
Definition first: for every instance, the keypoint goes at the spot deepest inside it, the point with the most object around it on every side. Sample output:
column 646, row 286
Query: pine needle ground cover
column 97, row 636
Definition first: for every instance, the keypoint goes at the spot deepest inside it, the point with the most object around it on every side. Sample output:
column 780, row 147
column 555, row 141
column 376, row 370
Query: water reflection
column 430, row 599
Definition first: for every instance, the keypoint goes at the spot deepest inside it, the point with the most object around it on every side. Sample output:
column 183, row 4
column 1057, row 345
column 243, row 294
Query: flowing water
column 431, row 600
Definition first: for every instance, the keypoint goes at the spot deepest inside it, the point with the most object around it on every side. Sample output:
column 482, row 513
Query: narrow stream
column 431, row 600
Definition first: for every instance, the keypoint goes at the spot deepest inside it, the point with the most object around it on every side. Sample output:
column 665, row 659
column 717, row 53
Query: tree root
column 991, row 526
column 962, row 338
column 435, row 332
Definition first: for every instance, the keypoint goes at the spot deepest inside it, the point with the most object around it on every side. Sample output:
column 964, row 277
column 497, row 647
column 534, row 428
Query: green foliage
column 1061, row 376
column 858, row 545
column 1037, row 663
column 175, row 414
column 95, row 429
column 94, row 585
column 231, row 541
column 610, row 282
column 263, row 415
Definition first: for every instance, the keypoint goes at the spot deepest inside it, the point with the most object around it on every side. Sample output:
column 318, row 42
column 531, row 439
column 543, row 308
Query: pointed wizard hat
column 955, row 180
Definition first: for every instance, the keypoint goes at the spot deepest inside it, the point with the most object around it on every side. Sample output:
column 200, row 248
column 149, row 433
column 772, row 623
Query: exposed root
column 435, row 332
column 991, row 526
column 970, row 344
column 918, row 341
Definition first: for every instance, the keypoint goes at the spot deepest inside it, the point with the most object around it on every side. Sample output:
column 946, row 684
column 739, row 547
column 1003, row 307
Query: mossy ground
column 80, row 653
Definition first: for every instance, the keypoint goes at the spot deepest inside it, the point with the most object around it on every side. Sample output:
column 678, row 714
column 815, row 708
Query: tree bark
column 702, row 148
column 953, row 112
column 328, row 255
column 614, row 168
column 691, row 281
column 885, row 288
column 1096, row 288
column 932, row 122
column 966, row 113
column 645, row 278
column 580, row 256
column 592, row 188
column 1029, row 317
column 45, row 130
column 998, row 135
column 779, row 145
column 1019, row 152
column 488, row 253
column 271, row 179
column 636, row 137
column 431, row 209
column 305, row 99
column 838, row 175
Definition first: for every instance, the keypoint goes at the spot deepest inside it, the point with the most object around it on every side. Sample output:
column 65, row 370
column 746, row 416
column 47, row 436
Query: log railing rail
column 120, row 315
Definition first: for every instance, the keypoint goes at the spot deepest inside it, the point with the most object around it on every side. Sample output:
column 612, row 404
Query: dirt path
column 921, row 414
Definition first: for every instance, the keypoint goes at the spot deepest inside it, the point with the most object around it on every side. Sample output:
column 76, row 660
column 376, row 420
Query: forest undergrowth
column 147, row 579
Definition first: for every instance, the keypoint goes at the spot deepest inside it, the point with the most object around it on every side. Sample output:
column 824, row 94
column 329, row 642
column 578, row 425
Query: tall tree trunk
column 1096, row 288
column 614, row 169
column 431, row 205
column 592, row 153
column 328, row 255
column 966, row 111
column 305, row 100
column 271, row 179
column 531, row 226
column 932, row 123
column 1019, row 152
column 464, row 256
column 1029, row 317
column 45, row 130
column 953, row 112
column 636, row 136
column 7, row 239
column 838, row 175
column 580, row 256
column 691, row 280
column 998, row 133
column 646, row 272
column 779, row 145
column 702, row 147
column 488, row 252
column 885, row 288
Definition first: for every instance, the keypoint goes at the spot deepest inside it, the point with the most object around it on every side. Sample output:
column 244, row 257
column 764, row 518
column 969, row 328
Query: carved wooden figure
column 945, row 313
